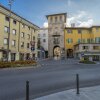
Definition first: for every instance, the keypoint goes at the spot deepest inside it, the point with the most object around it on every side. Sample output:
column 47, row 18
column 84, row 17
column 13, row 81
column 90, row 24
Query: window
column 44, row 35
column 69, row 40
column 84, row 41
column 28, row 36
column 60, row 18
column 33, row 30
column 56, row 40
column 29, row 27
column 14, row 31
column 14, row 22
column 13, row 56
column 22, row 34
column 79, row 31
column 95, row 47
column 28, row 45
column 79, row 40
column 13, row 42
column 6, row 29
column 85, row 47
column 7, row 18
column 34, row 38
column 97, row 29
column 92, row 40
column 69, row 31
column 55, row 19
column 23, row 26
column 5, row 41
column 38, row 35
column 44, row 40
column 88, row 40
column 97, row 39
column 22, row 44
column 50, row 19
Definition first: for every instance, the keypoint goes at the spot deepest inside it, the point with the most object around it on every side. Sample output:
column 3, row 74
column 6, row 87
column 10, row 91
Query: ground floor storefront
column 88, row 56
column 13, row 56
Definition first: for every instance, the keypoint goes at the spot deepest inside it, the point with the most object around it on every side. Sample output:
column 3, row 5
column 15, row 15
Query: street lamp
column 10, row 5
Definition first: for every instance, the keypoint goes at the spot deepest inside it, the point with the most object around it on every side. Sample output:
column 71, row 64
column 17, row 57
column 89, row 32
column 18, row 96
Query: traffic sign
column 32, row 48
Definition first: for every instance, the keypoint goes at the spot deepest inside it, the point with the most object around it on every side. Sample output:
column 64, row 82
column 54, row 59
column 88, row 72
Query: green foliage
column 87, row 62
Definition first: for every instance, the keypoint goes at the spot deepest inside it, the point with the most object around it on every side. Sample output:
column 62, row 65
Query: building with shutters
column 20, row 42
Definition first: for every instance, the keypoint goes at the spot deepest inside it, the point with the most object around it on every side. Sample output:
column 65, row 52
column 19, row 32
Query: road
column 50, row 77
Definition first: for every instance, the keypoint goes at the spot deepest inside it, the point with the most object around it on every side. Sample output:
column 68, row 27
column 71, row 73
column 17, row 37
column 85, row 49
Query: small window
column 33, row 30
column 88, row 40
column 69, row 40
column 7, row 18
column 55, row 19
column 50, row 19
column 85, row 47
column 60, row 18
column 92, row 40
column 23, row 25
column 95, row 47
column 79, row 40
column 13, row 42
column 28, row 36
column 22, row 34
column 6, row 29
column 44, row 35
column 97, row 40
column 29, row 27
column 14, row 22
column 22, row 44
column 97, row 29
column 69, row 31
column 28, row 45
column 34, row 38
column 83, row 41
column 79, row 31
column 5, row 41
column 38, row 35
column 14, row 31
column 44, row 40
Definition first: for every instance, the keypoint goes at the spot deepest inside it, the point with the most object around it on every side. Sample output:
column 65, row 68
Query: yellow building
column 20, row 42
column 82, row 37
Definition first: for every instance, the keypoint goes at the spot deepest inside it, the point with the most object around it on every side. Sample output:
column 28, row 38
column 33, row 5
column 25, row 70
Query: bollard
column 77, row 83
column 27, row 90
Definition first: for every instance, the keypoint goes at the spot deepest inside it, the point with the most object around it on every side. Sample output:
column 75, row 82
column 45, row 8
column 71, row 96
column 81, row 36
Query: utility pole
column 10, row 5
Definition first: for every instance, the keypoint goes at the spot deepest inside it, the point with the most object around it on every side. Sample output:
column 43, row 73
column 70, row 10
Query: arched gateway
column 56, row 25
column 56, row 52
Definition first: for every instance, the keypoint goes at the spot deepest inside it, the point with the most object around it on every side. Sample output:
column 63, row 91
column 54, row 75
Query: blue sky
column 81, row 12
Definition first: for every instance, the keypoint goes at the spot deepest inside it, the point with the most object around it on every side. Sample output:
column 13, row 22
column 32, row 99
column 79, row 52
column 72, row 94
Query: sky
column 84, row 13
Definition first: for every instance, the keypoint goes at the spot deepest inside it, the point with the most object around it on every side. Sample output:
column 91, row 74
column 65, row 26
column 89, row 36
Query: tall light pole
column 10, row 5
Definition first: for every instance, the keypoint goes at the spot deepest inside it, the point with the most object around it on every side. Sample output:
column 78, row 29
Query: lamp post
column 10, row 5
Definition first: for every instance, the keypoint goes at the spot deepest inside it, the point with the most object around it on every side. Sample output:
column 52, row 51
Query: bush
column 87, row 62
column 17, row 64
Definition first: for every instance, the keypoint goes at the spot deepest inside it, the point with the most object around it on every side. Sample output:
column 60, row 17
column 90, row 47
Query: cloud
column 87, row 23
column 81, row 19
column 45, row 25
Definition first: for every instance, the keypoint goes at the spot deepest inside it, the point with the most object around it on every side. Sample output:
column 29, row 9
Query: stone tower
column 56, row 25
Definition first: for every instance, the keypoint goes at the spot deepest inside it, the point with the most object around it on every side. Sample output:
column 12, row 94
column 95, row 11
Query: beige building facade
column 89, row 51
column 56, row 25
column 18, row 37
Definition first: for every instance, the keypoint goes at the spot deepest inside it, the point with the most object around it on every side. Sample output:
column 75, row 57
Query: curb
column 20, row 68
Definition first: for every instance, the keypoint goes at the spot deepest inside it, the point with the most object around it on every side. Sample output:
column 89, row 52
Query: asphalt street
column 50, row 77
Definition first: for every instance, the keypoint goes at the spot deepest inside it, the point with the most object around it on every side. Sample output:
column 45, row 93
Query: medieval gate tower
column 56, row 25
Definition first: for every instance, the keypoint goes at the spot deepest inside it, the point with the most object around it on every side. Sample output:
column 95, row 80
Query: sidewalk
column 90, row 93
